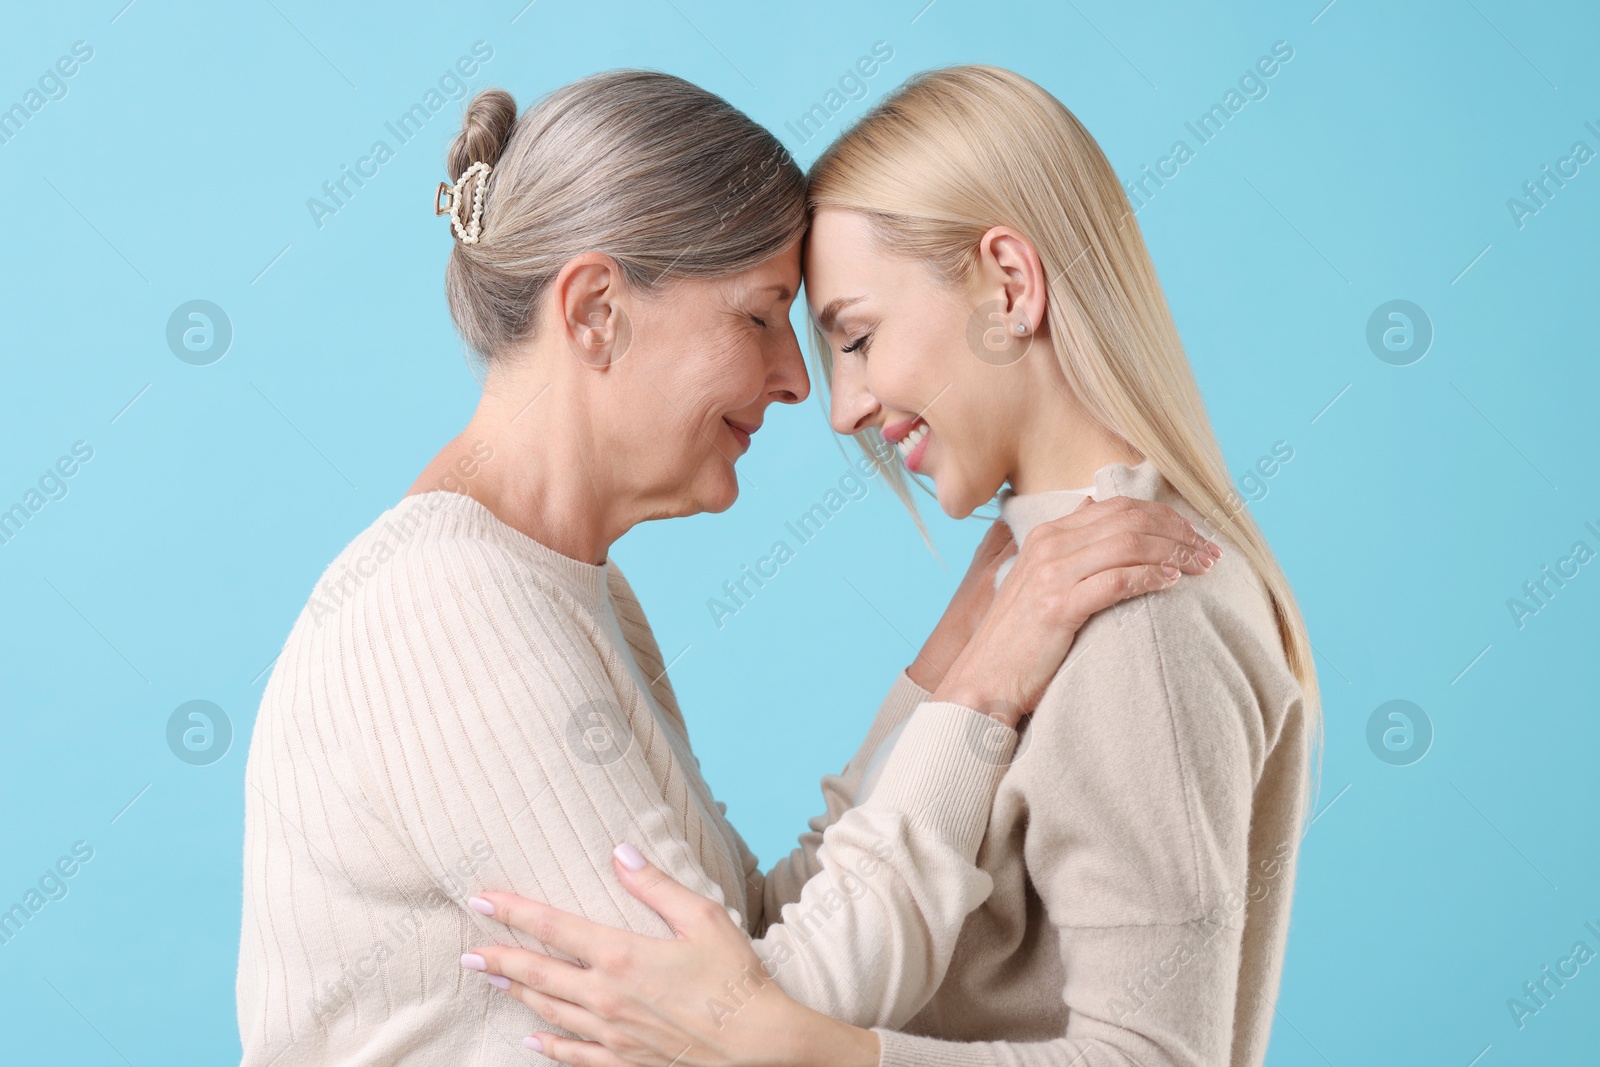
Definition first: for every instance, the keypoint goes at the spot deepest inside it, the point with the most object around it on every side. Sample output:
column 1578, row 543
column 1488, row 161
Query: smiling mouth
column 742, row 432
column 908, row 444
column 911, row 439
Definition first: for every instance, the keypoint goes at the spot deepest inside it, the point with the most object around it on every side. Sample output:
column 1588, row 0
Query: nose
column 853, row 407
column 787, row 380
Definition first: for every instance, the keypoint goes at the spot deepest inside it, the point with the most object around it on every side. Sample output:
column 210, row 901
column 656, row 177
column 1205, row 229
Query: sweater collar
column 586, row 581
column 1022, row 512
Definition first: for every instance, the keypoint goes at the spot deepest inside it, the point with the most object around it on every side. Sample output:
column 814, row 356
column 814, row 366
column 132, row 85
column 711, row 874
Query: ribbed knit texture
column 1143, row 841
column 449, row 715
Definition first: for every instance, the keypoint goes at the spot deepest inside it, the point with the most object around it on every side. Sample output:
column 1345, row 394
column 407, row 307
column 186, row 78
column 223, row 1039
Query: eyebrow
column 831, row 311
column 776, row 287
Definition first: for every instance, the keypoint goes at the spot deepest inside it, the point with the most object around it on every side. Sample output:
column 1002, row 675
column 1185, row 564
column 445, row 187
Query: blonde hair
column 668, row 179
column 954, row 152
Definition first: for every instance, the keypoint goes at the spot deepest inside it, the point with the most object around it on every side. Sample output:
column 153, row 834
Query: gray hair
column 666, row 178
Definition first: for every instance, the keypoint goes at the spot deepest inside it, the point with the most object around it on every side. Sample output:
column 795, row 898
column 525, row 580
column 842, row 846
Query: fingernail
column 474, row 962
column 481, row 906
column 629, row 856
column 1169, row 570
column 534, row 1043
column 499, row 981
column 1215, row 549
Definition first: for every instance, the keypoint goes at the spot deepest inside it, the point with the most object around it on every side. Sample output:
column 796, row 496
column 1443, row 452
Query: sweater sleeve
column 1140, row 765
column 781, row 885
column 872, row 934
column 480, row 727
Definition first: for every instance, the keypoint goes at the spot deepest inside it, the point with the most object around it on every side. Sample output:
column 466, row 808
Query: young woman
column 983, row 301
column 472, row 693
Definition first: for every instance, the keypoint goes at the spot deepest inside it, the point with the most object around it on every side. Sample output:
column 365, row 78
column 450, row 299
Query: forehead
column 781, row 269
column 843, row 257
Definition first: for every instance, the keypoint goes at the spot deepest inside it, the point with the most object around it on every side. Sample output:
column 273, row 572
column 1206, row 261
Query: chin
column 720, row 495
column 960, row 501
column 956, row 509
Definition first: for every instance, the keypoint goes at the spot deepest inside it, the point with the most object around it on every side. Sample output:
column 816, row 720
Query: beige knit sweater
column 453, row 711
column 1143, row 841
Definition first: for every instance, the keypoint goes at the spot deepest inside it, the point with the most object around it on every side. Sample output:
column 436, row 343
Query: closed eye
column 859, row 343
column 759, row 321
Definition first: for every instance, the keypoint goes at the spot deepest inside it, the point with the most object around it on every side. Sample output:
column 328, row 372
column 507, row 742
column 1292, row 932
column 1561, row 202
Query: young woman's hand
column 702, row 999
column 1103, row 553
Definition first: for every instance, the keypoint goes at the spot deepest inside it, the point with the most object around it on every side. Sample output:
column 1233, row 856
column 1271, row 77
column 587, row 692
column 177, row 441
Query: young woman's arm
column 783, row 882
column 649, row 982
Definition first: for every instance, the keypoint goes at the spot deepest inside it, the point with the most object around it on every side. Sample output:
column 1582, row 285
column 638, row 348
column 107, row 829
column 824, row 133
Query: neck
column 1059, row 446
column 541, row 476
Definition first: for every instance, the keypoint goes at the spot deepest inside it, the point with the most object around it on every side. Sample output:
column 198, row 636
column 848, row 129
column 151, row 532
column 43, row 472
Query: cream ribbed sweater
column 1143, row 841
column 449, row 715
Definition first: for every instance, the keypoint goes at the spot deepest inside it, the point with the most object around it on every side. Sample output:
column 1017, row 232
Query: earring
column 1022, row 327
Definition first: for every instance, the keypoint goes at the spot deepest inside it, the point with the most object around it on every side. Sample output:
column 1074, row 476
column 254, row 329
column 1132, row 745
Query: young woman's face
column 903, row 362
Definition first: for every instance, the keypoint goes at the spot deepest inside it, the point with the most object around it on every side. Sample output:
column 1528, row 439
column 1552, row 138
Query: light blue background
column 1379, row 166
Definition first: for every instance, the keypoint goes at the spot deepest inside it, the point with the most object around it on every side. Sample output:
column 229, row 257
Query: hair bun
column 485, row 129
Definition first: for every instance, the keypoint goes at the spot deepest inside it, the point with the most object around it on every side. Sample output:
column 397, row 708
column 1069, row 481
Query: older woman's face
column 710, row 357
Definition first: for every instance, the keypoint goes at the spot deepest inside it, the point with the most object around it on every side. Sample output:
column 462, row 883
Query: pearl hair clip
column 470, row 231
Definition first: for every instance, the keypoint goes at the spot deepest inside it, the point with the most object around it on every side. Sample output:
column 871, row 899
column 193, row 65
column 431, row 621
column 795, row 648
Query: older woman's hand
column 701, row 999
column 1155, row 534
column 1069, row 569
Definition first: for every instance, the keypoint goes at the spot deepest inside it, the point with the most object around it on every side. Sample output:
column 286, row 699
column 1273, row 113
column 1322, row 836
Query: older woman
column 473, row 696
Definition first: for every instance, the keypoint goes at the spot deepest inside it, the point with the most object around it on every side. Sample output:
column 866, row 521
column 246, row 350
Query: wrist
column 934, row 661
column 981, row 699
column 842, row 1045
column 943, row 648
column 923, row 674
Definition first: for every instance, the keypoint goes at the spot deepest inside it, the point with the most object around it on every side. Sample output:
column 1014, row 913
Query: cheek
column 936, row 352
column 972, row 425
column 986, row 428
column 923, row 369
column 701, row 381
column 726, row 374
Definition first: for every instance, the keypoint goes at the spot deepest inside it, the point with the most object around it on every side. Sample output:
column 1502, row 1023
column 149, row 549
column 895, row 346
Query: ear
column 587, row 301
column 1009, row 269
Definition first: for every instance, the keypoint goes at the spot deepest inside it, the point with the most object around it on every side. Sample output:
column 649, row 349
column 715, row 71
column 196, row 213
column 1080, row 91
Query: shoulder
column 1156, row 730
column 641, row 640
column 631, row 615
column 450, row 612
column 433, row 567
column 1201, row 662
column 621, row 591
